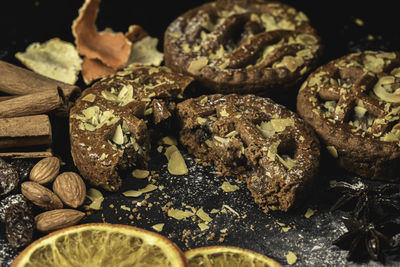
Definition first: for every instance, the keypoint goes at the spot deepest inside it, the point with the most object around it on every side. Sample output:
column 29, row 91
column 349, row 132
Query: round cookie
column 255, row 139
column 110, row 123
column 245, row 46
column 353, row 103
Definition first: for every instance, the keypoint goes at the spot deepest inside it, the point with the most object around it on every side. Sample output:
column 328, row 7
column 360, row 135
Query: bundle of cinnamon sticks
column 26, row 101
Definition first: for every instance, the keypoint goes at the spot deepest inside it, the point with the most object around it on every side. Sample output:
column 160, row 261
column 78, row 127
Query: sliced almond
column 140, row 174
column 381, row 91
column 176, row 163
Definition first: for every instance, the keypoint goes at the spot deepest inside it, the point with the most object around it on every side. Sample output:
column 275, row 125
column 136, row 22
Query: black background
column 25, row 21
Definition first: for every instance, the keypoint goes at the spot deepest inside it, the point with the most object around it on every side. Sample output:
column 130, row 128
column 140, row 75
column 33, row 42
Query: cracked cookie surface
column 111, row 123
column 256, row 140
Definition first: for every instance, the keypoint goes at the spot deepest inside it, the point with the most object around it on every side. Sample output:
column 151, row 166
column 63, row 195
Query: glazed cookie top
column 242, row 46
column 358, row 96
column 113, row 114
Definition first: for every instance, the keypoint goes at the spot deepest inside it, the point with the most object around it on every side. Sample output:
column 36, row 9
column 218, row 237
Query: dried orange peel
column 105, row 52
column 93, row 69
column 111, row 48
column 135, row 33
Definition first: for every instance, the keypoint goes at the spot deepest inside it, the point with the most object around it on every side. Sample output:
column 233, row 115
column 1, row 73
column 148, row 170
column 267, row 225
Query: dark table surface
column 238, row 221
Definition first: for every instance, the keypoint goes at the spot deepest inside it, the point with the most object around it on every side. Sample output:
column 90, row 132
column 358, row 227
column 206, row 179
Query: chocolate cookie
column 354, row 105
column 242, row 46
column 110, row 123
column 255, row 139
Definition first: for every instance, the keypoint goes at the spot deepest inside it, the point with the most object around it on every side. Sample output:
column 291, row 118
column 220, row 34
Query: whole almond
column 41, row 196
column 57, row 219
column 71, row 189
column 45, row 170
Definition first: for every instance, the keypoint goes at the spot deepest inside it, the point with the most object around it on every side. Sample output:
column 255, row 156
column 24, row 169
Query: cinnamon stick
column 25, row 131
column 31, row 104
column 15, row 80
column 26, row 155
column 3, row 98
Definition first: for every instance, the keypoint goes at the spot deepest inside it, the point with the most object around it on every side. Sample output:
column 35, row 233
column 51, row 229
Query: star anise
column 374, row 221
column 368, row 200
column 362, row 237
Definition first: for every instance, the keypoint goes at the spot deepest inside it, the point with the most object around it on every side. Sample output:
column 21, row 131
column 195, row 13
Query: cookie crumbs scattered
column 186, row 233
column 154, row 174
column 166, row 207
column 210, row 237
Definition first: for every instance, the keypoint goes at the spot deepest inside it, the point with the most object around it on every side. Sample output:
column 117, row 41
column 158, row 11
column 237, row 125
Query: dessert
column 253, row 138
column 353, row 103
column 110, row 123
column 243, row 46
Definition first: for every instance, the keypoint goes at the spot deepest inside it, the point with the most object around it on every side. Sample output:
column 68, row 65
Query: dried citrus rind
column 135, row 33
column 113, row 49
column 55, row 58
column 227, row 256
column 93, row 69
column 109, row 245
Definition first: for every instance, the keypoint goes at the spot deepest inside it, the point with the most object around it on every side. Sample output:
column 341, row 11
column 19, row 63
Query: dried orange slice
column 101, row 244
column 227, row 256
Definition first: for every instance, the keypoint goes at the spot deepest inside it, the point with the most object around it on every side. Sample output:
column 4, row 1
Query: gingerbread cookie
column 255, row 139
column 353, row 103
column 110, row 123
column 242, row 46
